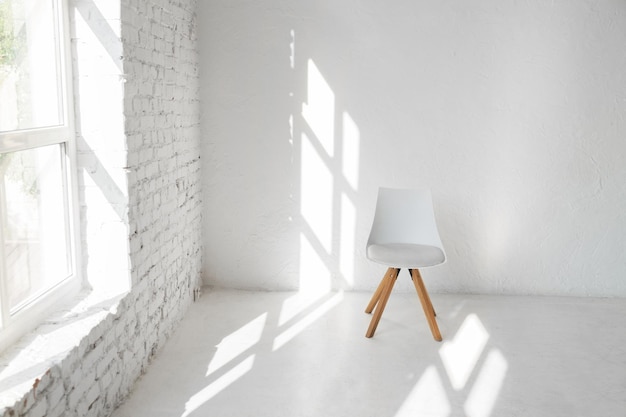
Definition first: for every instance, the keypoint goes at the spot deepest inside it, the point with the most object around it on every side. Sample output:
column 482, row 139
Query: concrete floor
column 261, row 354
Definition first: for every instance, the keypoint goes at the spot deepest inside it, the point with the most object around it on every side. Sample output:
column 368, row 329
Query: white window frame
column 13, row 326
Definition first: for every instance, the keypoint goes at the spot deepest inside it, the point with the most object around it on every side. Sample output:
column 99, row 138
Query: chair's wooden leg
column 427, row 305
column 382, row 302
column 378, row 291
column 430, row 303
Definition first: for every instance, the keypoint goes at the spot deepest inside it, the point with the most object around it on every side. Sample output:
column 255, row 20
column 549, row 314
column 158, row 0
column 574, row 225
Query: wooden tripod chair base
column 381, row 295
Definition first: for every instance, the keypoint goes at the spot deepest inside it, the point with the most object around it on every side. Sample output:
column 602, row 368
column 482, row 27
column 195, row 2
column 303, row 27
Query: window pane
column 30, row 86
column 35, row 227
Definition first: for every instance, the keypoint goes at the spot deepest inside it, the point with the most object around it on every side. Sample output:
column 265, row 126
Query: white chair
column 404, row 235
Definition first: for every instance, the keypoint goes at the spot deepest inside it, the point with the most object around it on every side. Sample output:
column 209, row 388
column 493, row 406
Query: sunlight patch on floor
column 287, row 335
column 237, row 343
column 217, row 386
column 427, row 398
column 461, row 354
column 486, row 389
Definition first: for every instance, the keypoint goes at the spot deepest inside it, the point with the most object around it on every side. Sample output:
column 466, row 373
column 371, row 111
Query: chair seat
column 405, row 255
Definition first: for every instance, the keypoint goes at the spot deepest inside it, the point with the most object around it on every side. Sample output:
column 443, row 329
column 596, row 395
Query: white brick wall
column 143, row 105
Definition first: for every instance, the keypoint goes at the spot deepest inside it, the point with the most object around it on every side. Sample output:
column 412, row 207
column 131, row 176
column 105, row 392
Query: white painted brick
column 58, row 411
column 161, row 122
column 92, row 395
column 56, row 396
column 81, row 409
column 26, row 403
column 39, row 409
column 90, row 359
column 105, row 363
column 42, row 384
column 80, row 387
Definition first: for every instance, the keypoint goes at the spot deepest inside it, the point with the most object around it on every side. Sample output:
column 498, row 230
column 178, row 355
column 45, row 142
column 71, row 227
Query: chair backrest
column 404, row 216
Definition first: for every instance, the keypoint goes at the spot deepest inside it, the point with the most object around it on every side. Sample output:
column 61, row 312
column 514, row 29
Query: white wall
column 512, row 112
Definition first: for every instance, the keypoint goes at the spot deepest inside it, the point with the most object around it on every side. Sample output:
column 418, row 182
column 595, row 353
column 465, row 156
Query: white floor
column 260, row 354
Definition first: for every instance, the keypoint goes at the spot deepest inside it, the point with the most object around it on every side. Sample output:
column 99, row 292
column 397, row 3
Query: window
column 37, row 256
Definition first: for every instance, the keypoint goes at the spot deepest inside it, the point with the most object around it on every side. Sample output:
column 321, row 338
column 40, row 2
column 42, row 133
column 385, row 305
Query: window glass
column 30, row 82
column 35, row 224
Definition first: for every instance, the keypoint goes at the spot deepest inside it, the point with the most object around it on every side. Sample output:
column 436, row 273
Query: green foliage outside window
column 7, row 37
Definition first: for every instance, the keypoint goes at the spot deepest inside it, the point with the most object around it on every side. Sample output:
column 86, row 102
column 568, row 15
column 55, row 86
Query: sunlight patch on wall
column 292, row 49
column 315, row 277
column 348, row 239
column 350, row 155
column 328, row 185
column 319, row 110
column 351, row 147
column 316, row 185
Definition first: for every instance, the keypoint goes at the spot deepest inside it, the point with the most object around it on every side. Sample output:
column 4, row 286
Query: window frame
column 31, row 314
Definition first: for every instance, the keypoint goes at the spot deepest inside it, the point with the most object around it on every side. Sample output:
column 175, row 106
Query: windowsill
column 34, row 354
